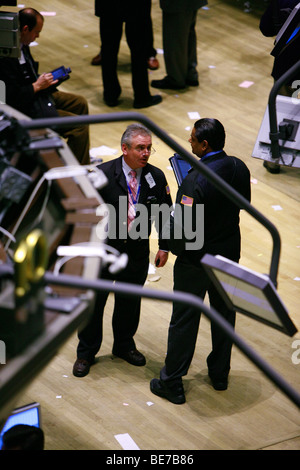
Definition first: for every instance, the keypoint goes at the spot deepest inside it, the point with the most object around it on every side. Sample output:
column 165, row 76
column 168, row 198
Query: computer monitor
column 28, row 414
column 248, row 292
column 288, row 112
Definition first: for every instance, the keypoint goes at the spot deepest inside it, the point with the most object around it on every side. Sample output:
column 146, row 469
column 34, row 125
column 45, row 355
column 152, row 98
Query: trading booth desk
column 48, row 199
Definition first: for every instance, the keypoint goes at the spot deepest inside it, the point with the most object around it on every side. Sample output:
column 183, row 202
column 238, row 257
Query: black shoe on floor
column 81, row 367
column 166, row 84
column 134, row 357
column 219, row 384
column 112, row 103
column 272, row 167
column 192, row 82
column 151, row 101
column 174, row 393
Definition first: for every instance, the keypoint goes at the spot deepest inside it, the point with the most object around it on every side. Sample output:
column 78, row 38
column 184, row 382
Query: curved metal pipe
column 224, row 187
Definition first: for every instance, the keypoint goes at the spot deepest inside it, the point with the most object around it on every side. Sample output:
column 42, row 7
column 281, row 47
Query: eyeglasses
column 143, row 149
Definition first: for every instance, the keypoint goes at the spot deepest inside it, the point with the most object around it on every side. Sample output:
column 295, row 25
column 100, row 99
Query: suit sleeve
column 19, row 94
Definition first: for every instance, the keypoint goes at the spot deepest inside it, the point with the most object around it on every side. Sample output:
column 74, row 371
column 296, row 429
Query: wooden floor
column 114, row 398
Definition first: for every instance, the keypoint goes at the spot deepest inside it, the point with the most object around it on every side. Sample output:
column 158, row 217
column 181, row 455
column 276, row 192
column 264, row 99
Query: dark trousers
column 184, row 326
column 180, row 46
column 126, row 314
column 135, row 15
column 78, row 138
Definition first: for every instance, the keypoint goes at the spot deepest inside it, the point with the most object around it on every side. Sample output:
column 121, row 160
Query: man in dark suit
column 135, row 14
column 180, row 43
column 36, row 95
column 151, row 191
column 152, row 61
column 222, row 237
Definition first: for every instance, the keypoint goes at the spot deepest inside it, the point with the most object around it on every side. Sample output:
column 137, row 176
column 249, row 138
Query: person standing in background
column 152, row 61
column 179, row 43
column 135, row 15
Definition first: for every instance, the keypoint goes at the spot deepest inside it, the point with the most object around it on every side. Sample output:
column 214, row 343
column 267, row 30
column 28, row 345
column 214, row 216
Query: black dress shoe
column 97, row 60
column 81, row 367
column 219, row 384
column 151, row 101
column 272, row 167
column 166, row 84
column 174, row 393
column 192, row 82
column 112, row 103
column 134, row 357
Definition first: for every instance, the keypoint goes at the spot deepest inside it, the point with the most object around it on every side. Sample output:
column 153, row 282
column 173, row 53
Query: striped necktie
column 131, row 198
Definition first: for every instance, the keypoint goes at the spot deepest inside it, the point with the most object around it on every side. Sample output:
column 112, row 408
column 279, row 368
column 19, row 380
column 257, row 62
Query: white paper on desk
column 126, row 442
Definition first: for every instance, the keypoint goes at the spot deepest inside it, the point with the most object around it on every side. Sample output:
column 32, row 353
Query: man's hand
column 161, row 258
column 43, row 82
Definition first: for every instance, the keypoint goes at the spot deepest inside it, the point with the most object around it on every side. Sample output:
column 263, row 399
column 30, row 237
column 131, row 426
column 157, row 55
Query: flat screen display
column 29, row 414
column 248, row 292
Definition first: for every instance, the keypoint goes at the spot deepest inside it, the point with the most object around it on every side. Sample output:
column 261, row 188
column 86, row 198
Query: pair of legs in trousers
column 136, row 16
column 184, row 325
column 126, row 313
column 180, row 47
column 78, row 138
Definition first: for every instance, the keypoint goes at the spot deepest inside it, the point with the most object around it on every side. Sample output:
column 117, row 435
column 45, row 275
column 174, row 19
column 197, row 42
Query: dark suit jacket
column 19, row 89
column 149, row 196
column 131, row 6
column 175, row 6
column 221, row 216
column 290, row 54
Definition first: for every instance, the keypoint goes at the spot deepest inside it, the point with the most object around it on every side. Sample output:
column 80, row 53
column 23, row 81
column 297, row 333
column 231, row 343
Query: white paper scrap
column 246, row 84
column 126, row 442
column 48, row 13
column 277, row 208
column 151, row 269
column 194, row 115
column 297, row 278
column 154, row 279
column 102, row 150
column 149, row 403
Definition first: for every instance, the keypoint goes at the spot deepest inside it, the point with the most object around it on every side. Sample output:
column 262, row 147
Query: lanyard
column 134, row 200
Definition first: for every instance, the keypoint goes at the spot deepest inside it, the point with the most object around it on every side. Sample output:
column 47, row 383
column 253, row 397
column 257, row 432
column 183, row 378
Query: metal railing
column 220, row 184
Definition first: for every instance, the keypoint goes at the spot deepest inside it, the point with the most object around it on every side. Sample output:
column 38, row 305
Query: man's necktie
column 132, row 194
